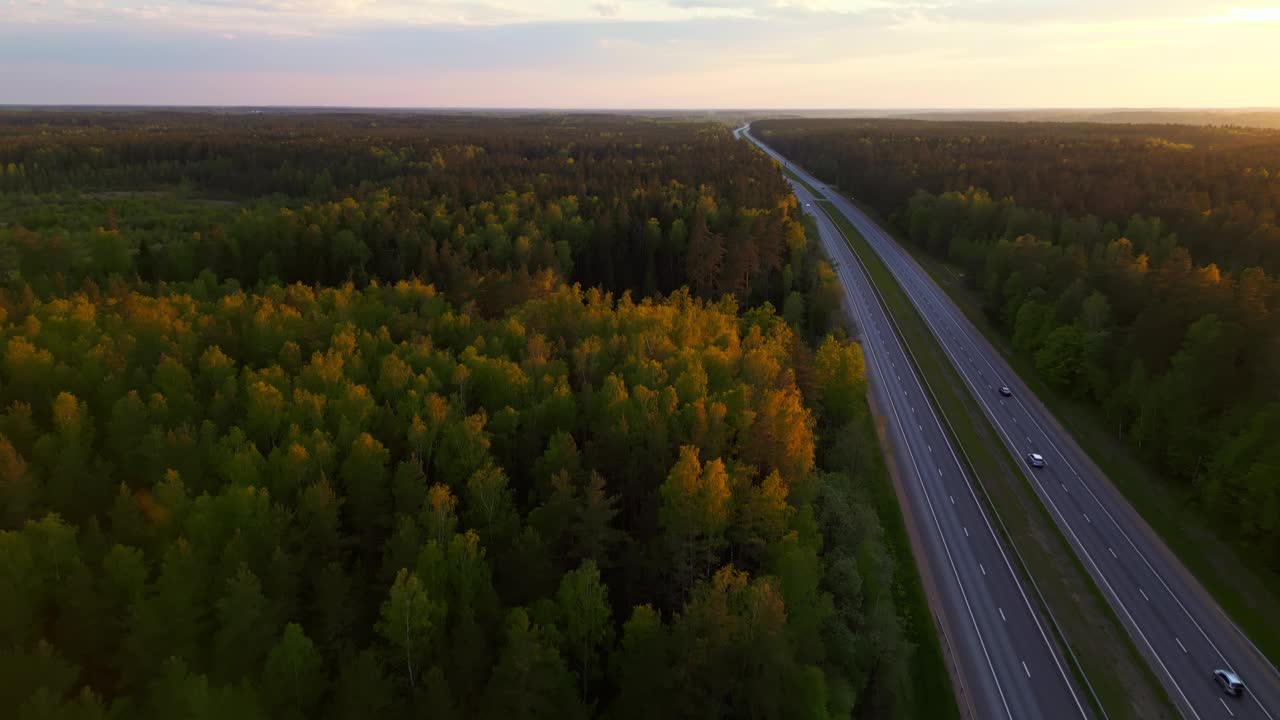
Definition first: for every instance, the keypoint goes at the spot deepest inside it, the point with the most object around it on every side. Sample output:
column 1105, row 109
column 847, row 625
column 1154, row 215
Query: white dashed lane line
column 966, row 532
column 1144, row 595
column 1028, row 672
column 1002, row 617
column 1184, row 647
column 1113, row 554
column 1228, row 709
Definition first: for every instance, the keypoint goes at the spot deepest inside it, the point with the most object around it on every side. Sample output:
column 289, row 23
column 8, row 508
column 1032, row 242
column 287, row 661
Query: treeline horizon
column 1136, row 266
column 339, row 416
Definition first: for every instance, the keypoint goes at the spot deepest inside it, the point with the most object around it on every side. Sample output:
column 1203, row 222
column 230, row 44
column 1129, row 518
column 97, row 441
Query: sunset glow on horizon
column 642, row 53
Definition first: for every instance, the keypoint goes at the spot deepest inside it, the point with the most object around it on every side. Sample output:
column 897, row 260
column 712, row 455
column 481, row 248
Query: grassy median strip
column 1247, row 592
column 1107, row 659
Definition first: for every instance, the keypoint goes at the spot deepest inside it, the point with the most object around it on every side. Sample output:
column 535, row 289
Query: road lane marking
column 1064, row 487
column 951, row 561
column 930, row 448
column 1089, row 559
column 1144, row 595
column 1184, row 647
column 1086, row 518
column 1028, row 672
column 1113, row 554
column 983, row 569
column 1002, row 617
column 955, row 323
column 1224, row 704
column 953, row 499
column 966, row 532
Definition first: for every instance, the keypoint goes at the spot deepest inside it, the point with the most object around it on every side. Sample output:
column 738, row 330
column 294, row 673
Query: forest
column 452, row 417
column 1138, row 267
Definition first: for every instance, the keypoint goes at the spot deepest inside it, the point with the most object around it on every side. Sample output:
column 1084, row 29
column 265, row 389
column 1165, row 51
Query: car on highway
column 1229, row 681
column 1005, row 391
column 1036, row 460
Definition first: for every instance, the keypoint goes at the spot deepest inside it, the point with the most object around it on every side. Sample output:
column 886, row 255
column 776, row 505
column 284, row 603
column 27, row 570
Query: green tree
column 587, row 627
column 407, row 624
column 694, row 514
column 295, row 674
column 364, row 477
column 842, row 385
column 245, row 628
column 645, row 669
column 1061, row 359
column 530, row 679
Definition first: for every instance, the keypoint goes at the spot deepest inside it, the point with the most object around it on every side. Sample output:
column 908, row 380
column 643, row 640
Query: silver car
column 1036, row 460
column 1229, row 681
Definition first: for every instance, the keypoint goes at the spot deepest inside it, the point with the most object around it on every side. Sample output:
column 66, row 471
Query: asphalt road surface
column 1002, row 646
column 1174, row 622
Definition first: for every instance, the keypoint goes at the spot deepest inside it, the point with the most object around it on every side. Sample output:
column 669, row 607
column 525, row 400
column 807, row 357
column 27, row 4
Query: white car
column 1005, row 391
column 1036, row 460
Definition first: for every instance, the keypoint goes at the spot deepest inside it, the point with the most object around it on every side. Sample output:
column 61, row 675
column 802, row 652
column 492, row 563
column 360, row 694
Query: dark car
column 1229, row 681
column 1005, row 391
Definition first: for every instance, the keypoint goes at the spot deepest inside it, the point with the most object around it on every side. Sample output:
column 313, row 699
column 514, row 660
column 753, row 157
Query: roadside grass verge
column 931, row 692
column 1247, row 592
column 1124, row 684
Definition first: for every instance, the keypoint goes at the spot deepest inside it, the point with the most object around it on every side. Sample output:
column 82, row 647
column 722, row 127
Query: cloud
column 606, row 9
column 636, row 53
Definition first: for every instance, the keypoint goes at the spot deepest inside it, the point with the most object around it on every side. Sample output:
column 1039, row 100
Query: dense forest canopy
column 1138, row 266
column 313, row 417
column 1217, row 189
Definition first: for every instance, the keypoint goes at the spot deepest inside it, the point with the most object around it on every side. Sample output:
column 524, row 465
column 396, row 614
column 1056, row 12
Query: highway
column 1010, row 666
column 1172, row 619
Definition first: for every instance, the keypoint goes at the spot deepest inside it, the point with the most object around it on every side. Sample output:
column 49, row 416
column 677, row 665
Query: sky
column 635, row 54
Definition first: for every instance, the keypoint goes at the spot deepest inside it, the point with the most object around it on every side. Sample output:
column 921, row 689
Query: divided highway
column 1009, row 665
column 1174, row 622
